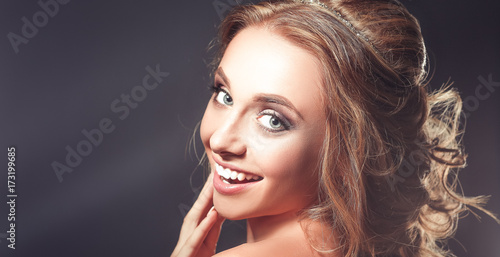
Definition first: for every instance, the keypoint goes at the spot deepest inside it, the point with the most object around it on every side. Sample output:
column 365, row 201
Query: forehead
column 258, row 60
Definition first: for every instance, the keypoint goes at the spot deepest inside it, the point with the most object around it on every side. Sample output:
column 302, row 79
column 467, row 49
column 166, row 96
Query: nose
column 228, row 140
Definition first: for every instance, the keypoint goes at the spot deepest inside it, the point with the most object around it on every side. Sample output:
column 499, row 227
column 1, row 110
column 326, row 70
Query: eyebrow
column 263, row 98
column 220, row 73
column 277, row 99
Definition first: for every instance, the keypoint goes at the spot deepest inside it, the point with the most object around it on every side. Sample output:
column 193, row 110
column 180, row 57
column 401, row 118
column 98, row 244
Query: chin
column 231, row 211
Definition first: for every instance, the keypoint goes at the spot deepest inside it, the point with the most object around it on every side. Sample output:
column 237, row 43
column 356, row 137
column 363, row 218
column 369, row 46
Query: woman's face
column 264, row 127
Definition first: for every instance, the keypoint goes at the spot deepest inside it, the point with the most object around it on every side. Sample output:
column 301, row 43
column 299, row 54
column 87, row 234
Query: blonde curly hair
column 389, row 161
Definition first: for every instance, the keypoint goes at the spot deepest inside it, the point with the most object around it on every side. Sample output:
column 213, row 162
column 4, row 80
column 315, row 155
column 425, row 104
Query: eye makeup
column 272, row 121
column 269, row 119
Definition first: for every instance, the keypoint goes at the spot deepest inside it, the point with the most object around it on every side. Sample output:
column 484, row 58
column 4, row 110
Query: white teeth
column 233, row 175
column 227, row 173
column 219, row 169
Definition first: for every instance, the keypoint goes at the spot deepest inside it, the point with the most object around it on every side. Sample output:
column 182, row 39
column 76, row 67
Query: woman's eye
column 224, row 98
column 272, row 123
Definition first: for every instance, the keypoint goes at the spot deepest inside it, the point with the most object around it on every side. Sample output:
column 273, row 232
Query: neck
column 267, row 227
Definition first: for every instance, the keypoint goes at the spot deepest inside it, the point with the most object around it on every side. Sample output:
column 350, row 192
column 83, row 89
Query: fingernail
column 210, row 211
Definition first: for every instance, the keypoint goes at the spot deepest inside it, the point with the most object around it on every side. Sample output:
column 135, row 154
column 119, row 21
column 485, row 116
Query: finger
column 213, row 234
column 191, row 234
column 199, row 210
column 197, row 238
column 203, row 203
column 196, row 214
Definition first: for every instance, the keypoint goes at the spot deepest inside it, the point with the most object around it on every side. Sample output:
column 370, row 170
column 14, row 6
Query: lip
column 230, row 189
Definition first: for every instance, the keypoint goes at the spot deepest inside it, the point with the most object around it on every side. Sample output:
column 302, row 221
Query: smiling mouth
column 233, row 177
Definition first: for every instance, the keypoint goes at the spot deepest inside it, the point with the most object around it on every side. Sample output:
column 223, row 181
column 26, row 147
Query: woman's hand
column 201, row 228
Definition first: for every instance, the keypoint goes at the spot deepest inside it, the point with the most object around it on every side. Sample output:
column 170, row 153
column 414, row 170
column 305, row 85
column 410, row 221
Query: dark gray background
column 129, row 195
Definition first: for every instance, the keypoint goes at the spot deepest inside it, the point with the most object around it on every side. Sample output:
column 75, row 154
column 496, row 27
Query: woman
column 322, row 134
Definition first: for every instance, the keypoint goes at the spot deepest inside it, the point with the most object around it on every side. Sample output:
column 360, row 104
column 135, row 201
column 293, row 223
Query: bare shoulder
column 288, row 247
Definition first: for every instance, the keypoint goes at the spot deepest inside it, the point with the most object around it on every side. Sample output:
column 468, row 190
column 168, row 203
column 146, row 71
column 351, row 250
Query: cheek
column 292, row 168
column 292, row 157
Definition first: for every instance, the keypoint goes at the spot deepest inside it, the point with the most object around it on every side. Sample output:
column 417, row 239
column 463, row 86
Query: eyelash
column 217, row 88
column 274, row 114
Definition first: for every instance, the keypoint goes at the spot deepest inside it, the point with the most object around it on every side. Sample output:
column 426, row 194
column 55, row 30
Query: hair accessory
column 340, row 18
